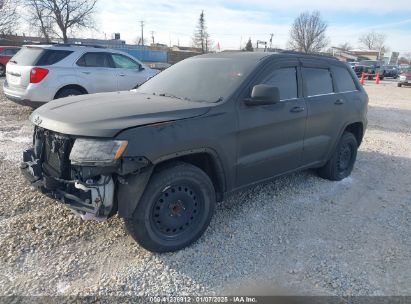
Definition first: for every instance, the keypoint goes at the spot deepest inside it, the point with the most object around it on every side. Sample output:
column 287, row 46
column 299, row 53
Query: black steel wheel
column 342, row 160
column 175, row 209
column 2, row 70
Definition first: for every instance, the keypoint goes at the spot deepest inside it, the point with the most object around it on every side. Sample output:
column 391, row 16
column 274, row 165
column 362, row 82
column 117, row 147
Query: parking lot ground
column 298, row 234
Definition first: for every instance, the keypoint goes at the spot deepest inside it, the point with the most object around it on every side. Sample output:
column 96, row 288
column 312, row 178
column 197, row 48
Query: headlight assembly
column 97, row 151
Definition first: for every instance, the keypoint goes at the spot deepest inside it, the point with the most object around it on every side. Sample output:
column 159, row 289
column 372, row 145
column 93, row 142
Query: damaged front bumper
column 92, row 199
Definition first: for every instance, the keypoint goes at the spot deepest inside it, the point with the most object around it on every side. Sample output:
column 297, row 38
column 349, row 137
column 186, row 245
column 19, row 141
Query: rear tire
column 399, row 85
column 342, row 160
column 2, row 70
column 175, row 209
column 68, row 92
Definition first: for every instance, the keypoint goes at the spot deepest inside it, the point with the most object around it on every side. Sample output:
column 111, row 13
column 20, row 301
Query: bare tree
column 346, row 46
column 64, row 14
column 307, row 33
column 40, row 18
column 373, row 40
column 8, row 15
column 201, row 37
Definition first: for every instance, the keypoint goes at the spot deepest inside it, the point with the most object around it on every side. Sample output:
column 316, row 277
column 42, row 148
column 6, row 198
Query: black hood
column 106, row 114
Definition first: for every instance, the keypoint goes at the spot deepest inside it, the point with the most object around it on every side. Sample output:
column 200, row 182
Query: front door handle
column 339, row 102
column 122, row 75
column 297, row 109
column 87, row 73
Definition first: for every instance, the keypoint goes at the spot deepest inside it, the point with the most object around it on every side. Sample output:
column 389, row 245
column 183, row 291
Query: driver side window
column 124, row 62
column 285, row 79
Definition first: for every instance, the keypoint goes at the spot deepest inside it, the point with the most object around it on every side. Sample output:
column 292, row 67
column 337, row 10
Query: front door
column 270, row 137
column 96, row 72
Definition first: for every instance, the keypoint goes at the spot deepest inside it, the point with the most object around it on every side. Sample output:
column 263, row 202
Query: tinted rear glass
column 27, row 56
column 95, row 60
column 318, row 81
column 286, row 81
column 344, row 80
column 51, row 57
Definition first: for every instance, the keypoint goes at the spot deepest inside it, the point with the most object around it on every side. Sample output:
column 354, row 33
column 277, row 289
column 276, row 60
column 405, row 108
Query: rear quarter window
column 344, row 80
column 318, row 81
column 50, row 57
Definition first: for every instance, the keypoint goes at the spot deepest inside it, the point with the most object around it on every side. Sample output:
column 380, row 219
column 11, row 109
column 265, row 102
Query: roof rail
column 76, row 44
column 308, row 54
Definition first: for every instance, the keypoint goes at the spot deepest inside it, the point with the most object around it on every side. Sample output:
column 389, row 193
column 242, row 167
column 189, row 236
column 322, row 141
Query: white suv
column 41, row 73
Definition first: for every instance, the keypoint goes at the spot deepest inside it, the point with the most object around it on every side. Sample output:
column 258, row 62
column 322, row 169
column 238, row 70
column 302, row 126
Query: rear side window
column 344, row 81
column 28, row 56
column 51, row 57
column 286, row 81
column 318, row 81
column 95, row 60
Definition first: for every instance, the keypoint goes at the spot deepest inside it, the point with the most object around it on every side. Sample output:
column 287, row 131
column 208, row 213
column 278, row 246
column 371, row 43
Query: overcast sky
column 233, row 22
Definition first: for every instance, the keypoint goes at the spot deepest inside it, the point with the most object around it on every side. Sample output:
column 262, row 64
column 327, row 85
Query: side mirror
column 263, row 94
column 141, row 68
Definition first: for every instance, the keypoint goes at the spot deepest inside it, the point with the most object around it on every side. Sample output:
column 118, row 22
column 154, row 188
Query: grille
column 55, row 153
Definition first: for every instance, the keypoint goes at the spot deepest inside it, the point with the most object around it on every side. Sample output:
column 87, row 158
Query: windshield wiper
column 174, row 96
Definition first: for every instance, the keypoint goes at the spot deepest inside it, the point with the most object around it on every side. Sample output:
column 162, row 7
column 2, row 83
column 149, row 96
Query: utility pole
column 271, row 41
column 142, row 32
column 152, row 36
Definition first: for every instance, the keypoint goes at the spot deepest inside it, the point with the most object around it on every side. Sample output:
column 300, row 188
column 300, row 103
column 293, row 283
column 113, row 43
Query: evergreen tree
column 249, row 46
column 201, row 37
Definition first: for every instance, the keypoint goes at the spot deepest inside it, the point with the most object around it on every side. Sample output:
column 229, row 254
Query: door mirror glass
column 263, row 94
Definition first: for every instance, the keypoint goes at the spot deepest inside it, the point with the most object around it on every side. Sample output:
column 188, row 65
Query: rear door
column 327, row 111
column 95, row 71
column 270, row 137
column 129, row 72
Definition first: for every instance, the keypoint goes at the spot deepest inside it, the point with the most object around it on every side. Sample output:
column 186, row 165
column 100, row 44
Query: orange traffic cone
column 377, row 79
column 362, row 81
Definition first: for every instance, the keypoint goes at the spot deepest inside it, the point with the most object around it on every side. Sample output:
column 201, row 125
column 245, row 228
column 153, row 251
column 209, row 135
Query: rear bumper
column 32, row 96
column 77, row 197
column 24, row 102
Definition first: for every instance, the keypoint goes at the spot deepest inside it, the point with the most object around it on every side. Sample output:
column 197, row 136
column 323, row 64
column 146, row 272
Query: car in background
column 391, row 71
column 359, row 69
column 405, row 78
column 161, row 66
column 40, row 73
column 352, row 64
column 403, row 67
column 374, row 67
column 6, row 53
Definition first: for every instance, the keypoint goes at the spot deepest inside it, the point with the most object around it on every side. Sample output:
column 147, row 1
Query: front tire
column 2, row 70
column 175, row 209
column 342, row 160
column 399, row 85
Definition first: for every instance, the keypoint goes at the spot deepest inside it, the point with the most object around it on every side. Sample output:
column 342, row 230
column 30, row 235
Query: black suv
column 372, row 68
column 161, row 156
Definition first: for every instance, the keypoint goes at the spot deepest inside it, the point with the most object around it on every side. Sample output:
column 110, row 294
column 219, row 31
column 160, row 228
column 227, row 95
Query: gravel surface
column 296, row 235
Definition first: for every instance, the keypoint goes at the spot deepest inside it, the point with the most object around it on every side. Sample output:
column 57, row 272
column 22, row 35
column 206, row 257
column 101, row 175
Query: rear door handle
column 339, row 102
column 122, row 75
column 297, row 109
column 87, row 73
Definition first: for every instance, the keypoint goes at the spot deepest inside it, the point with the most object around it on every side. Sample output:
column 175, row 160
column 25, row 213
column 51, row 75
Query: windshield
column 200, row 79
